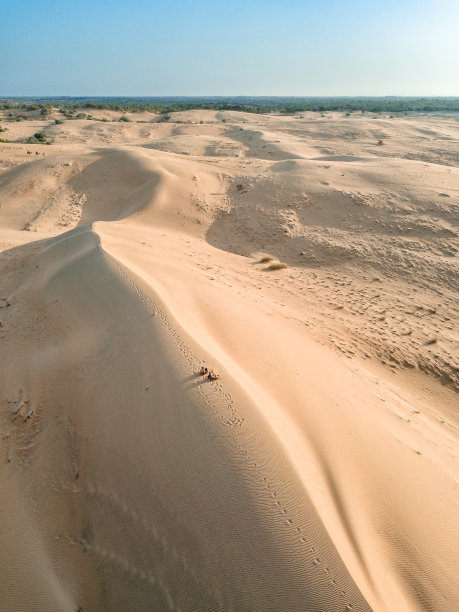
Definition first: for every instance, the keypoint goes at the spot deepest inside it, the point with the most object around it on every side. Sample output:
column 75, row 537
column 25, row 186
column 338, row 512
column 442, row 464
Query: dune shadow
column 116, row 185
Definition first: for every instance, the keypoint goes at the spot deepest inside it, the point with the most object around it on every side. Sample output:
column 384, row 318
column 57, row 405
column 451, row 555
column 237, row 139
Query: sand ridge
column 318, row 473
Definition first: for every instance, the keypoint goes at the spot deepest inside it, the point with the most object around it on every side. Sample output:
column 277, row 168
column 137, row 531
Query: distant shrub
column 277, row 266
column 58, row 121
column 2, row 129
column 265, row 260
column 81, row 116
column 37, row 138
column 4, row 140
column 124, row 118
column 239, row 187
column 164, row 118
column 20, row 118
column 380, row 142
column 46, row 110
column 105, row 120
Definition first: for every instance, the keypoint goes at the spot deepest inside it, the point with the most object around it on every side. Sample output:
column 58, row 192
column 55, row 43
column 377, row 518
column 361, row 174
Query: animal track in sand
column 22, row 425
column 121, row 506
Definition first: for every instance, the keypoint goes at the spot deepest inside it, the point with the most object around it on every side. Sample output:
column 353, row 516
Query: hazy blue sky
column 223, row 47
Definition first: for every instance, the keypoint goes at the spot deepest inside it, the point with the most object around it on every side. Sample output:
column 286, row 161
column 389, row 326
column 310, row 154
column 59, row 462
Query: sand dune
column 318, row 473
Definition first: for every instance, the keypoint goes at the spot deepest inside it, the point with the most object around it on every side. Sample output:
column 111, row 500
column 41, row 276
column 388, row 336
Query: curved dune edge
column 325, row 415
column 184, row 499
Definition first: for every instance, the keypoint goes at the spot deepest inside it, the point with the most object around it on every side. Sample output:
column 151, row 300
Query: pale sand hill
column 318, row 473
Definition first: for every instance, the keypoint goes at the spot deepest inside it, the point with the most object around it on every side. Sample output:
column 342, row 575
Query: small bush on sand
column 380, row 142
column 20, row 118
column 265, row 259
column 4, row 140
column 2, row 129
column 277, row 266
column 37, row 138
column 239, row 187
column 58, row 121
column 124, row 118
column 81, row 116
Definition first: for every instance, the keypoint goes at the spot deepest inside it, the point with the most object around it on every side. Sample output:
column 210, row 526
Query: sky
column 224, row 48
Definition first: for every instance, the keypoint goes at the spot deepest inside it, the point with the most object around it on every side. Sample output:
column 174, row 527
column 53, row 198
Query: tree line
column 287, row 105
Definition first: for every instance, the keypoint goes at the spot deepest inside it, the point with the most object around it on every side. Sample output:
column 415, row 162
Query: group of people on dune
column 209, row 373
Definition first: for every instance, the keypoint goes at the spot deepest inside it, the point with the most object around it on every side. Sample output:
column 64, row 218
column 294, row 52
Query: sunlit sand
column 311, row 262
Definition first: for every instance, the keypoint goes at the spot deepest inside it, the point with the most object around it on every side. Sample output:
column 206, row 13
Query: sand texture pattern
column 312, row 262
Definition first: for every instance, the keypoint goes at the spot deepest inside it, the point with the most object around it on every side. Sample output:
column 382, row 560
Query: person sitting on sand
column 203, row 371
column 213, row 376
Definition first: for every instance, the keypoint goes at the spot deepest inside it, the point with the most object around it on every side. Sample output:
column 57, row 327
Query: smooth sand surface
column 319, row 472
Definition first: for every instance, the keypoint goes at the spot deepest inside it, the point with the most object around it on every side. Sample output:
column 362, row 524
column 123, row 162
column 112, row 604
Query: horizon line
column 2, row 96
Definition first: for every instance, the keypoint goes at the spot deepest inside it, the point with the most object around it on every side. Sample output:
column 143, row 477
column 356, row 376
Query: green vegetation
column 4, row 140
column 124, row 118
column 2, row 129
column 58, row 121
column 38, row 138
column 46, row 110
column 69, row 106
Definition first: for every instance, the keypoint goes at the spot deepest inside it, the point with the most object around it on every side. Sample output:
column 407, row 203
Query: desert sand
column 319, row 472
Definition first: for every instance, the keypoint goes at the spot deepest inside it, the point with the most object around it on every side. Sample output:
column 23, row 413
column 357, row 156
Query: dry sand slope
column 318, row 472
